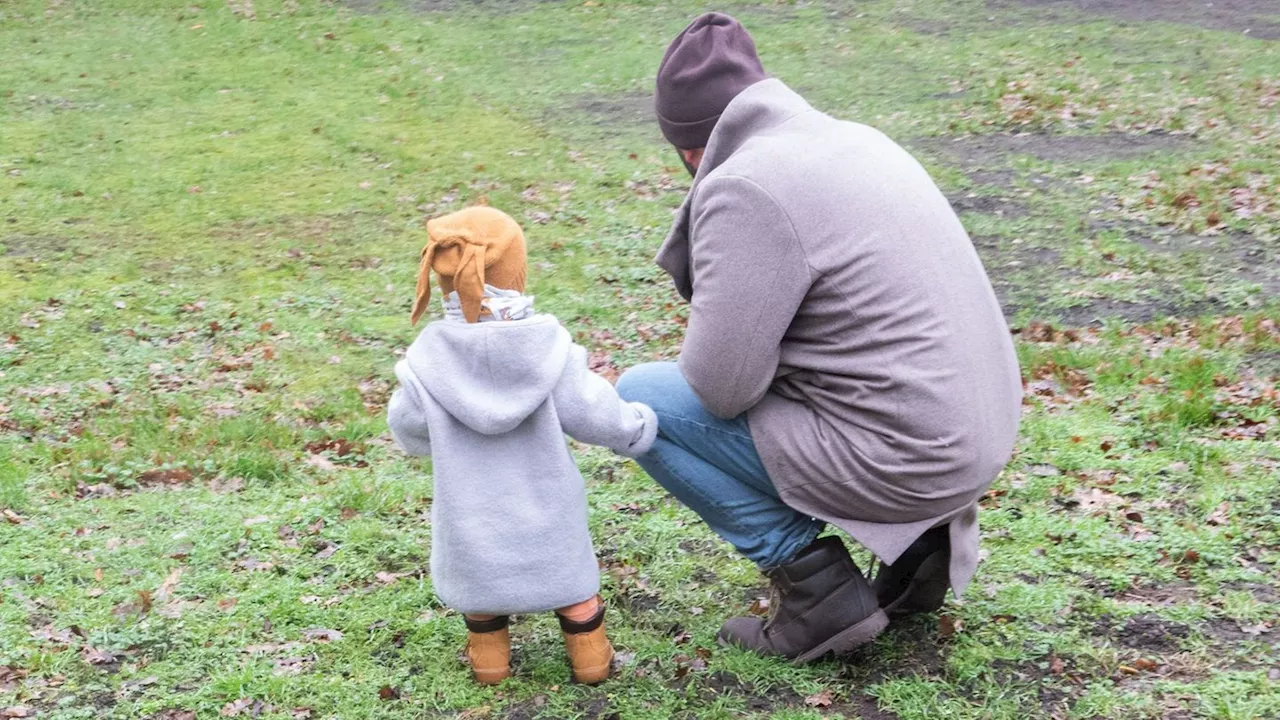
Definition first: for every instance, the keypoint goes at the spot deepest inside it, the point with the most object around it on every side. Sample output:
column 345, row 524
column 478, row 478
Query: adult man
column 846, row 360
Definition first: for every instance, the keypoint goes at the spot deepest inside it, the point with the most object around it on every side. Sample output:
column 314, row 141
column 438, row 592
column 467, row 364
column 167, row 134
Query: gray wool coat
column 491, row 403
column 836, row 299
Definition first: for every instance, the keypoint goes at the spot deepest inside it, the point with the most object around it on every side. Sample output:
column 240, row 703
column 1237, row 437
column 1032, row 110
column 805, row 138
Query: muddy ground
column 1257, row 18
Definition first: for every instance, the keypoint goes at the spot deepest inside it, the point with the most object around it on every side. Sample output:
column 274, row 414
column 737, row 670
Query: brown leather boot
column 820, row 605
column 489, row 649
column 590, row 653
column 918, row 581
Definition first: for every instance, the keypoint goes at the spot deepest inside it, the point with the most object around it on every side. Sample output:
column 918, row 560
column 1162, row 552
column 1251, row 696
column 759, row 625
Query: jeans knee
column 649, row 383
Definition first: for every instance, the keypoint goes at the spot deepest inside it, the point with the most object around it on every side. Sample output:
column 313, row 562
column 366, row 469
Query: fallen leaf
column 170, row 476
column 18, row 711
column 759, row 606
column 1255, row 630
column 1219, row 516
column 386, row 692
column 948, row 626
column 1145, row 665
column 13, row 517
column 321, row 462
column 258, row 520
column 387, row 578
column 298, row 713
column 1190, row 557
column 167, row 587
column 322, row 635
column 245, row 706
column 820, row 700
column 1056, row 666
column 94, row 656
column 327, row 551
column 176, row 715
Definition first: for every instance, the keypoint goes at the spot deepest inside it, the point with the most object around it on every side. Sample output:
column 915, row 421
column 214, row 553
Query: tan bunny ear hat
column 469, row 249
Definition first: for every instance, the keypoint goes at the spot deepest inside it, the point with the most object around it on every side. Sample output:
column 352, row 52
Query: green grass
column 209, row 228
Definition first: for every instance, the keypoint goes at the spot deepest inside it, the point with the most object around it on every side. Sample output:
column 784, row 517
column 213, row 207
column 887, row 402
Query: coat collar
column 758, row 109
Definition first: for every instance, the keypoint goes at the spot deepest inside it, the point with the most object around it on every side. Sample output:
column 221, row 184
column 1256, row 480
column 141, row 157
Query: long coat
column 836, row 299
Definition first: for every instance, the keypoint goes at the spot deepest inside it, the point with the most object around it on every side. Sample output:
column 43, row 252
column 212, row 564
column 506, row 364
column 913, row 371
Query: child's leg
column 581, row 612
column 590, row 652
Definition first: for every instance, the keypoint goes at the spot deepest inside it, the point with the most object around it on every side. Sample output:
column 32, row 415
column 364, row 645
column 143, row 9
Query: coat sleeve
column 405, row 414
column 591, row 412
column 749, row 278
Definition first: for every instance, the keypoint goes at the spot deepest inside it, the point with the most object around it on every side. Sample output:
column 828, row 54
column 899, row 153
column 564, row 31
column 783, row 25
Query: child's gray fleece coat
column 491, row 403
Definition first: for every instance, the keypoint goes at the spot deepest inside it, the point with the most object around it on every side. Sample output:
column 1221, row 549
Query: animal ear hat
column 469, row 249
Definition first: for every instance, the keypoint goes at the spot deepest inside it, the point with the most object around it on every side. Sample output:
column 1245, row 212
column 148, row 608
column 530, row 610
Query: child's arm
column 591, row 412
column 405, row 415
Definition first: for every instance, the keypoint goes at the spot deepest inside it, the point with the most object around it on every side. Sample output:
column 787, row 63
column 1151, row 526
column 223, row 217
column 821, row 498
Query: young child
column 489, row 392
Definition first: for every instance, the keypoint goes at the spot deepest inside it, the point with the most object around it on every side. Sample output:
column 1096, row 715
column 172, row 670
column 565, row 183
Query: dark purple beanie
column 705, row 67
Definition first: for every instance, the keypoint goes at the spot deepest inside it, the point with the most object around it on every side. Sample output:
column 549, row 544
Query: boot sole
column 490, row 677
column 928, row 588
column 849, row 639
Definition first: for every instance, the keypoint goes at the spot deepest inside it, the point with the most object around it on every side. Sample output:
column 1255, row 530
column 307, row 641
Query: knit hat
column 705, row 67
column 467, row 250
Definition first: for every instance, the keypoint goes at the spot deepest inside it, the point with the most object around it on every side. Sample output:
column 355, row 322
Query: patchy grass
column 209, row 222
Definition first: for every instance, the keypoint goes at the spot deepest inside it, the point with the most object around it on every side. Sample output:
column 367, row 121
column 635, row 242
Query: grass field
column 210, row 214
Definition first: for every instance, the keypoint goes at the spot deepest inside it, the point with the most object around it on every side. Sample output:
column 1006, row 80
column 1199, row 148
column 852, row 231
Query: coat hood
column 489, row 376
column 755, row 111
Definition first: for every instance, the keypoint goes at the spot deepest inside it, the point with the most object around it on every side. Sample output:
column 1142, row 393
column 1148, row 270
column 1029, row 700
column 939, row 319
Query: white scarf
column 501, row 306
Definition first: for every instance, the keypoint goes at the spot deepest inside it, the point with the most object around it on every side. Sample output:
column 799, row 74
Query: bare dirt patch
column 987, row 205
column 1257, row 18
column 856, row 705
column 1237, row 254
column 1148, row 632
column 987, row 153
column 31, row 245
column 628, row 109
column 440, row 6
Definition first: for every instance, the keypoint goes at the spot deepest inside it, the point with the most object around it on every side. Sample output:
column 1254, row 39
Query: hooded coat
column 491, row 403
column 837, row 300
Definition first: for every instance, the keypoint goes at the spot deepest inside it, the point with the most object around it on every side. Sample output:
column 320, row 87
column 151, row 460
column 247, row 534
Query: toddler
column 489, row 392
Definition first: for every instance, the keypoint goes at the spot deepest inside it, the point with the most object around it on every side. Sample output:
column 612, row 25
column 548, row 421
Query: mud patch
column 441, row 6
column 992, row 152
column 1099, row 311
column 31, row 245
column 1240, row 255
column 987, row 205
column 858, row 704
column 630, row 109
column 1150, row 633
column 1257, row 18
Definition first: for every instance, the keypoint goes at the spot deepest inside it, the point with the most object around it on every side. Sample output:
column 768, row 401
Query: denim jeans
column 711, row 465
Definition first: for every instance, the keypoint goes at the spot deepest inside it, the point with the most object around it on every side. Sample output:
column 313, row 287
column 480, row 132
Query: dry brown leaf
column 17, row 711
column 948, row 626
column 167, row 587
column 322, row 635
column 820, row 700
column 94, row 656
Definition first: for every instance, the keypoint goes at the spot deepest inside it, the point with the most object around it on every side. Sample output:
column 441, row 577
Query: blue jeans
column 711, row 465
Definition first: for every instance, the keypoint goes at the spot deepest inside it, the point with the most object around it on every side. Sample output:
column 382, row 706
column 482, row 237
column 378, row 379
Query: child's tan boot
column 590, row 653
column 489, row 649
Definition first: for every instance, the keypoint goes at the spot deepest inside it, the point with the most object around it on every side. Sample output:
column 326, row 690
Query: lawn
column 210, row 214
